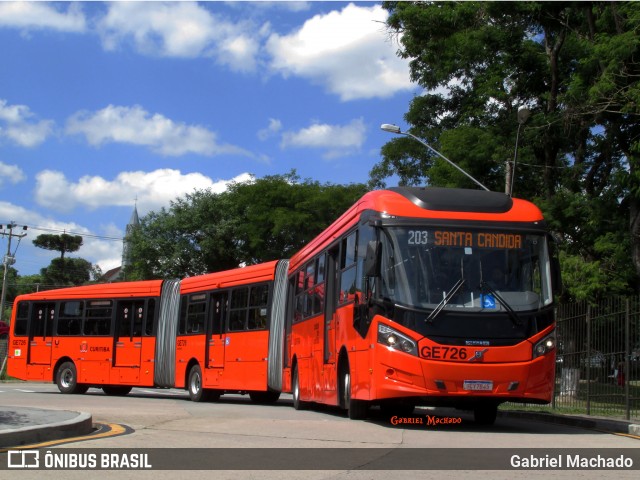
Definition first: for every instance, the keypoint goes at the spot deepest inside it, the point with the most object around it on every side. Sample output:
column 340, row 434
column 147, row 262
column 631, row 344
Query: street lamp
column 387, row 127
column 523, row 115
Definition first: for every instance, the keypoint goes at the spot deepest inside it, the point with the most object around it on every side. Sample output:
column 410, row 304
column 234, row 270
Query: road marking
column 102, row 430
column 628, row 435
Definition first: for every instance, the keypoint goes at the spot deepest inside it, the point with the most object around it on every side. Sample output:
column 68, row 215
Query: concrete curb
column 592, row 423
column 58, row 425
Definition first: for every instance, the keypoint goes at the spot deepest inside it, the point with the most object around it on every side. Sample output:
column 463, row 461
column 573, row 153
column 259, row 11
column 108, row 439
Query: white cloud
column 134, row 125
column 272, row 129
column 11, row 173
column 105, row 252
column 348, row 51
column 337, row 140
column 153, row 190
column 17, row 124
column 180, row 29
column 40, row 15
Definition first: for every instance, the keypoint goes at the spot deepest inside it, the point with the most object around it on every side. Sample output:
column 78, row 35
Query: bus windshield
column 465, row 270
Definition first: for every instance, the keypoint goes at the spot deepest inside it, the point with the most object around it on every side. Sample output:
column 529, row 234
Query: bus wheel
column 264, row 397
column 67, row 379
column 295, row 390
column 196, row 391
column 115, row 390
column 356, row 409
column 485, row 413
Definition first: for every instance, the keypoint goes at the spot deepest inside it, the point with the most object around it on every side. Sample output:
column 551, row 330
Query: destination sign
column 461, row 238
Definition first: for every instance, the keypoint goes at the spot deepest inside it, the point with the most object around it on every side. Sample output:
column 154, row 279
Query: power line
column 88, row 235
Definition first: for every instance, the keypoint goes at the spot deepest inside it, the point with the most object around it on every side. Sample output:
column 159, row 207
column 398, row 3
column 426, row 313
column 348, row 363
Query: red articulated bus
column 414, row 296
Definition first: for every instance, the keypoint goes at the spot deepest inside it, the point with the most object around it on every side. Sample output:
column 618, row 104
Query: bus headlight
column 391, row 338
column 544, row 346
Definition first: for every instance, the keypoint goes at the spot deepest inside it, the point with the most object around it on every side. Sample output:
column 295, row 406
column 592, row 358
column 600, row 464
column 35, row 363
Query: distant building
column 116, row 274
column 134, row 222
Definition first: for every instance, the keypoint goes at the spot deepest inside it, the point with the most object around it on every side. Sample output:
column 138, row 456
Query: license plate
column 478, row 385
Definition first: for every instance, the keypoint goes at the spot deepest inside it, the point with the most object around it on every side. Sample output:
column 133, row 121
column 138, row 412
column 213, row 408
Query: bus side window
column 258, row 307
column 70, row 318
column 182, row 326
column 196, row 313
column 348, row 268
column 149, row 324
column 22, row 319
column 238, row 311
column 98, row 318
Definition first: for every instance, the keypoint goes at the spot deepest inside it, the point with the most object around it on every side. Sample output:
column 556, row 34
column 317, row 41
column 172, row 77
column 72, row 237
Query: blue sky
column 105, row 103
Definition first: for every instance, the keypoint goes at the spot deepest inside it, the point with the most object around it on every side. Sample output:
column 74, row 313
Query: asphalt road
column 151, row 419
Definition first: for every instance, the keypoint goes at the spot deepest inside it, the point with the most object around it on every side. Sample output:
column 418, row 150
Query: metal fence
column 598, row 361
column 4, row 345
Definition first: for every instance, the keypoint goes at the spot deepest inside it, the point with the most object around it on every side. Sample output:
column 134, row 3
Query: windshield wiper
column 512, row 313
column 447, row 298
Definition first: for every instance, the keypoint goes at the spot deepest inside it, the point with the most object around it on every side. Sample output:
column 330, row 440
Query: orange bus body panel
column 263, row 272
column 237, row 360
column 93, row 356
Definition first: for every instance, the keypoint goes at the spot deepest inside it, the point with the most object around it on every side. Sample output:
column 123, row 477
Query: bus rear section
column 425, row 297
column 99, row 335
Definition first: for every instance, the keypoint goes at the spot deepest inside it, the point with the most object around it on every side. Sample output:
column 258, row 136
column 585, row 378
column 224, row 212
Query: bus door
column 216, row 336
column 128, row 334
column 331, row 302
column 41, row 333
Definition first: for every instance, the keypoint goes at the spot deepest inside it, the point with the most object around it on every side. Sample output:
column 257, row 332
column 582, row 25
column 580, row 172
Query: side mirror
column 372, row 259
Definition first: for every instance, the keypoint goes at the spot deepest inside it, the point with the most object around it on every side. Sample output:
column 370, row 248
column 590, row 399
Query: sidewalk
column 603, row 424
column 24, row 426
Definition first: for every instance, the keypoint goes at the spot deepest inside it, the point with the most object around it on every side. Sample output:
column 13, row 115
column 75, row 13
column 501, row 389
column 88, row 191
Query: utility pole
column 9, row 259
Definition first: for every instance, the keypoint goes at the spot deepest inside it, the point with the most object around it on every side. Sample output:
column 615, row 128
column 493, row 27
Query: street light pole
column 510, row 174
column 387, row 127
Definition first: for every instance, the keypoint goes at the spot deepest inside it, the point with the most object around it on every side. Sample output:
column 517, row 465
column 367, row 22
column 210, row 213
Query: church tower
column 134, row 222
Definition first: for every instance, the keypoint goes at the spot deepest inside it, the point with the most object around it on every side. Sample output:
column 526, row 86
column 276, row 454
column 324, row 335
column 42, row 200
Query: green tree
column 28, row 284
column 267, row 219
column 573, row 65
column 60, row 243
column 66, row 272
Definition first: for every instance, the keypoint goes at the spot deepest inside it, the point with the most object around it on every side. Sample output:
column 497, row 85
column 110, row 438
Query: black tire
column 116, row 390
column 485, row 413
column 295, row 390
column 67, row 379
column 356, row 409
column 264, row 398
column 197, row 393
